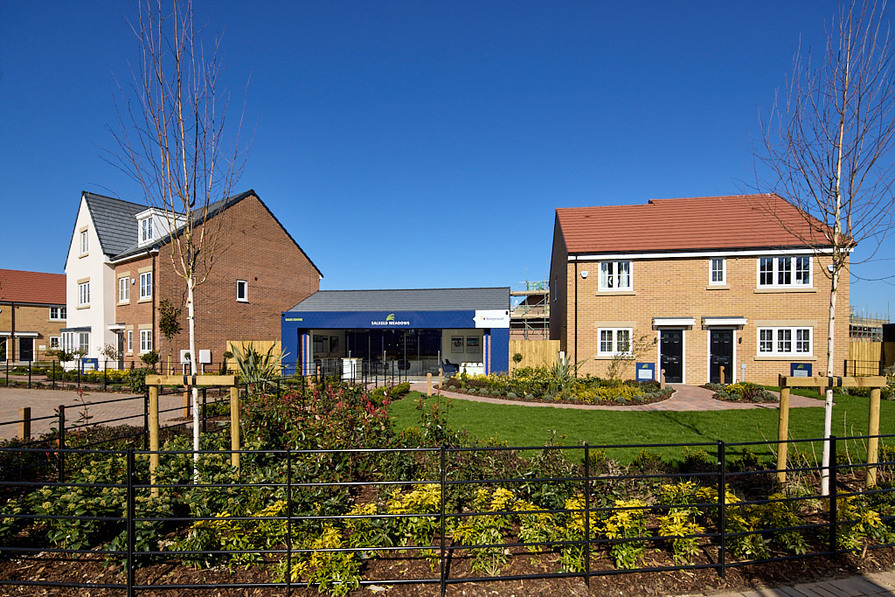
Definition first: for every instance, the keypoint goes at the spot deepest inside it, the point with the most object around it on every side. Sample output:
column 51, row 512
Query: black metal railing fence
column 452, row 517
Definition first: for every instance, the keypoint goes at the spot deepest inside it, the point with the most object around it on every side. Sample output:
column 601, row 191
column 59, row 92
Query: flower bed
column 742, row 392
column 545, row 385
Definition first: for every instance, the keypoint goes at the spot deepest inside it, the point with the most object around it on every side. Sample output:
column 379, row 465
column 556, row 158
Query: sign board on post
column 800, row 369
column 646, row 371
column 89, row 364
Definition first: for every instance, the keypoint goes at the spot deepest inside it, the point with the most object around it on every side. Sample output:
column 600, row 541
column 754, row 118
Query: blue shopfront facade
column 438, row 328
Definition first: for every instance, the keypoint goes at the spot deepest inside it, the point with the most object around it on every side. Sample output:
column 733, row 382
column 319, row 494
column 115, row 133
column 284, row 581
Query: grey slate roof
column 115, row 221
column 134, row 248
column 427, row 299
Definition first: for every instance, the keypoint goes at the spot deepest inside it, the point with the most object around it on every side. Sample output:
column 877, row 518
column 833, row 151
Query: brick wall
column 680, row 288
column 252, row 246
column 30, row 318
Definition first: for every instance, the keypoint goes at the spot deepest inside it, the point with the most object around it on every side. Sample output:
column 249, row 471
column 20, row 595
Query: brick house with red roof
column 705, row 283
column 32, row 313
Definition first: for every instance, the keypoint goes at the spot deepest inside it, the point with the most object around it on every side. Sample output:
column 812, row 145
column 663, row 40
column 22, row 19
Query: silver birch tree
column 171, row 135
column 828, row 148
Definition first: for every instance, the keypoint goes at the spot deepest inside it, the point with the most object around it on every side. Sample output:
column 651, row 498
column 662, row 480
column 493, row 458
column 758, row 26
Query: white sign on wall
column 492, row 318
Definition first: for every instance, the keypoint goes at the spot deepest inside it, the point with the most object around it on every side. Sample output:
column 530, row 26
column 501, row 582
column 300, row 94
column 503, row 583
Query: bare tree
column 172, row 141
column 828, row 148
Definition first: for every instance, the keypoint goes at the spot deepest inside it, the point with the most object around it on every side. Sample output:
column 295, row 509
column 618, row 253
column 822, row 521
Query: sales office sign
column 492, row 318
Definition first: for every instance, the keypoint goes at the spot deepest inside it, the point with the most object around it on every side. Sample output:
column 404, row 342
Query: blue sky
column 418, row 144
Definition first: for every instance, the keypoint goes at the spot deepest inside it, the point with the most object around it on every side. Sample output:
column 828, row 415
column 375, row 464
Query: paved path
column 44, row 402
column 877, row 584
column 685, row 398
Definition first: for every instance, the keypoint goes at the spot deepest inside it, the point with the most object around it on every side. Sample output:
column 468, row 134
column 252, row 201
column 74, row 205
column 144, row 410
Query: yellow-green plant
column 334, row 572
column 487, row 529
column 679, row 527
column 534, row 526
column 413, row 527
column 859, row 525
column 627, row 527
column 572, row 530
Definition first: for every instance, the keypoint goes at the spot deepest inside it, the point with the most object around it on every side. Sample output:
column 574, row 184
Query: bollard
column 440, row 379
column 722, row 378
column 661, row 379
column 25, row 423
column 153, row 438
column 234, row 426
column 873, row 441
column 782, row 434
column 428, row 384
column 186, row 402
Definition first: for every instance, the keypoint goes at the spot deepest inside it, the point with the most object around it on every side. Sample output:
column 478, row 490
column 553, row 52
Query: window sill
column 145, row 300
column 79, row 307
column 717, row 287
column 242, row 300
column 791, row 357
column 120, row 303
column 609, row 357
column 615, row 293
column 783, row 290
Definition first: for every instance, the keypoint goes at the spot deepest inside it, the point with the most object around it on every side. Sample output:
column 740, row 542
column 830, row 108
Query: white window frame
column 55, row 342
column 785, row 272
column 616, row 276
column 616, row 338
column 785, row 341
column 712, row 270
column 84, row 294
column 85, row 242
column 146, row 232
column 242, row 288
column 145, row 341
column 84, row 342
column 145, row 286
column 57, row 314
column 130, row 341
column 124, row 289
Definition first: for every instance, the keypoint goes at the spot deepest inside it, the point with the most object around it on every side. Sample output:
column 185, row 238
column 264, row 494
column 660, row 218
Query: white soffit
column 673, row 321
column 713, row 321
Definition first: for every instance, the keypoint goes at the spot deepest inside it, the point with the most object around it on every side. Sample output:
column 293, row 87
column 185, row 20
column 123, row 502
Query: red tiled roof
column 696, row 223
column 32, row 287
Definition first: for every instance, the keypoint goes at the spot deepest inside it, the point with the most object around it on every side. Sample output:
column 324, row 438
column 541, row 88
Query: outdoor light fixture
column 584, row 273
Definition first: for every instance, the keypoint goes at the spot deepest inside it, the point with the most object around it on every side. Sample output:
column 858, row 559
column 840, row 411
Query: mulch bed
column 93, row 570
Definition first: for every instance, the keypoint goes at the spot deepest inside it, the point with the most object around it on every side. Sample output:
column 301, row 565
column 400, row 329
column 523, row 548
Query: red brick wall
column 252, row 246
column 680, row 288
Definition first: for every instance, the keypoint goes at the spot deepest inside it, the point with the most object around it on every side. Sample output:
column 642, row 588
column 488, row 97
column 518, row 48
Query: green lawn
column 532, row 426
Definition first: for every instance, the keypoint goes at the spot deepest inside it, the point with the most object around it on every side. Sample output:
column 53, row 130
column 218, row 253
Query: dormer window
column 146, row 230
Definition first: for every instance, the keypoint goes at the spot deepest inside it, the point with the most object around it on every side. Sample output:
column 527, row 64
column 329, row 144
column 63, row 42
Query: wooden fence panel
column 535, row 353
column 865, row 351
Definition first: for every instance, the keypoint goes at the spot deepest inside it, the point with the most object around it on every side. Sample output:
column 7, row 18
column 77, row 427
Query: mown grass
column 534, row 426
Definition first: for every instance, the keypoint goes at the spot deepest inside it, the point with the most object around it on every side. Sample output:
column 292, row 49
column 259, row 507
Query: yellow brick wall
column 680, row 288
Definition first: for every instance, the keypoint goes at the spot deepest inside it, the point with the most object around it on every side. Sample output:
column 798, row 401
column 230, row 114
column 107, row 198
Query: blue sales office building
column 413, row 332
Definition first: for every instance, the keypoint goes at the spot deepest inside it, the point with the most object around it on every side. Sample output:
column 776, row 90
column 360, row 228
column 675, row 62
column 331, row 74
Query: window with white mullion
column 718, row 268
column 614, row 341
column 615, row 275
column 785, row 341
column 784, row 272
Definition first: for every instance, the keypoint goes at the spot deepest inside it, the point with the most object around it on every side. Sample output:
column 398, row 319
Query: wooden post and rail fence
column 154, row 382
column 875, row 384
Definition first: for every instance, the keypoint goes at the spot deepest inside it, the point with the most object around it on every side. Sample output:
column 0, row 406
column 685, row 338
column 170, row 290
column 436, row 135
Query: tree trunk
column 191, row 322
column 828, row 397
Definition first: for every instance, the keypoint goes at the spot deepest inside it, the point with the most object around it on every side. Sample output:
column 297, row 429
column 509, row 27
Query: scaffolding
column 530, row 316
column 866, row 327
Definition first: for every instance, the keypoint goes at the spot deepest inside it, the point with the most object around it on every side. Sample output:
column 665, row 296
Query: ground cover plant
column 743, row 391
column 557, row 384
column 507, row 510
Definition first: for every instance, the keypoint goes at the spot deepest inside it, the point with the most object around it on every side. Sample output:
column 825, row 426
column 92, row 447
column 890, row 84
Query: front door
column 26, row 349
column 671, row 349
column 721, row 355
